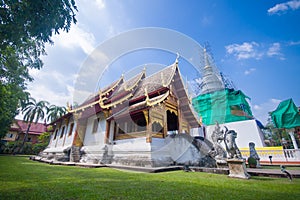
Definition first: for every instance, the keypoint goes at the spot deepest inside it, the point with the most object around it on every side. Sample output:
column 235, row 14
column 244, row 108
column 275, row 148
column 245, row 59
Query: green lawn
column 21, row 178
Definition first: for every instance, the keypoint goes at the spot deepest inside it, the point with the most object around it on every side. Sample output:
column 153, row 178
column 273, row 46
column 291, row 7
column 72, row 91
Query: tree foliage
column 25, row 27
column 54, row 112
column 33, row 112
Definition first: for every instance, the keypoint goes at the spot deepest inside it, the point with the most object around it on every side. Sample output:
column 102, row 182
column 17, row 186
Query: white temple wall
column 132, row 145
column 95, row 136
column 54, row 139
column 94, row 140
column 61, row 136
column 70, row 137
column 247, row 131
column 62, row 142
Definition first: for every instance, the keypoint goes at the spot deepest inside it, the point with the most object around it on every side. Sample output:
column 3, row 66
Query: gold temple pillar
column 80, row 130
column 148, row 126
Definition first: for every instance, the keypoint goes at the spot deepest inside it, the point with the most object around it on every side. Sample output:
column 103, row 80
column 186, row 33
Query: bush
column 38, row 147
column 252, row 162
column 13, row 147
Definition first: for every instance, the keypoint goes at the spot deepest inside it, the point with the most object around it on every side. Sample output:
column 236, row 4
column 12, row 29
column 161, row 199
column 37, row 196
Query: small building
column 130, row 122
column 18, row 130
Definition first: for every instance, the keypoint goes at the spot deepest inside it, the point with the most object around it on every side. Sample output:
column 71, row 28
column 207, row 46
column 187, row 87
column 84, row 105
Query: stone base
column 237, row 169
column 222, row 164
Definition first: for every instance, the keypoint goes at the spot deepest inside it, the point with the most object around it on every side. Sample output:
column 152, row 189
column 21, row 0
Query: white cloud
column 249, row 71
column 261, row 111
column 293, row 43
column 76, row 38
column 253, row 50
column 244, row 51
column 282, row 7
column 53, row 87
column 274, row 50
column 100, row 4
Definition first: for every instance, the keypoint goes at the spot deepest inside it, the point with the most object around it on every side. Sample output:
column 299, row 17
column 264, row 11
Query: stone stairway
column 75, row 154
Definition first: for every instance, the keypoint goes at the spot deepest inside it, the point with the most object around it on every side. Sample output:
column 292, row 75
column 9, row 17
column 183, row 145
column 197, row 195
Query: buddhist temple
column 131, row 122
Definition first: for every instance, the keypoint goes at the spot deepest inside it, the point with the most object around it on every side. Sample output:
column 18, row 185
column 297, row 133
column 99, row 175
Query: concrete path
column 272, row 172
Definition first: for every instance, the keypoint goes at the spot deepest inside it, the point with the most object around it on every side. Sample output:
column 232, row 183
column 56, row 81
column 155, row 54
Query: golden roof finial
column 177, row 58
column 68, row 107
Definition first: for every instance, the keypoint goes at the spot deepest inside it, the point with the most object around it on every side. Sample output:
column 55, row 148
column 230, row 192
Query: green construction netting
column 286, row 115
column 222, row 106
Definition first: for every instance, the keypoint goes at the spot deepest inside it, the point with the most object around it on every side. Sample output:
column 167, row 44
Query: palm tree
column 54, row 112
column 33, row 112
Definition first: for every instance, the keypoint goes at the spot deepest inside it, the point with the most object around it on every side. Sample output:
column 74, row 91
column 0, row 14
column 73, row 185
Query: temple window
column 71, row 129
column 157, row 127
column 141, row 124
column 121, row 128
column 131, row 127
column 62, row 132
column 172, row 121
column 134, row 125
column 95, row 125
column 55, row 135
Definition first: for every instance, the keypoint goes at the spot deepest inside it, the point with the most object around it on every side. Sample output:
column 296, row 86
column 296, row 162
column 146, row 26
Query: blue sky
column 256, row 43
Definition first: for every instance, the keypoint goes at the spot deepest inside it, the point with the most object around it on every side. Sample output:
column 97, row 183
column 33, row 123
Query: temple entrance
column 172, row 122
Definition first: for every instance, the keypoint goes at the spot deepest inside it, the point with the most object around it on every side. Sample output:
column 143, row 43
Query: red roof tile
column 35, row 129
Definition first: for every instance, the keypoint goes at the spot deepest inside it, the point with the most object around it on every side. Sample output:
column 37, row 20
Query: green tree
column 25, row 27
column 54, row 112
column 33, row 111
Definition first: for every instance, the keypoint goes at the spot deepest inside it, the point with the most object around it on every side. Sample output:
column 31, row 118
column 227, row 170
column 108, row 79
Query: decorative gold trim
column 145, row 112
column 114, row 103
column 171, row 76
column 130, row 88
column 159, row 121
column 158, row 135
column 83, row 107
column 105, row 92
column 172, row 110
column 131, row 135
column 150, row 102
column 101, row 96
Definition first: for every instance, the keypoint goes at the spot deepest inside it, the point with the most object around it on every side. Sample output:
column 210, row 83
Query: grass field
column 21, row 178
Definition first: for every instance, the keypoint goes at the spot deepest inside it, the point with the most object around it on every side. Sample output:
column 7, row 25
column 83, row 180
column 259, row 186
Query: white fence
column 275, row 154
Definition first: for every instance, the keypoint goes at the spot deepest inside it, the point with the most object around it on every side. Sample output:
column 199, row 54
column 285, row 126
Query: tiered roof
column 141, row 92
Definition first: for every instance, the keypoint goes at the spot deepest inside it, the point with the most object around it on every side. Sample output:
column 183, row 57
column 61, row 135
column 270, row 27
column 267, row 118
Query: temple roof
column 141, row 92
column 153, row 83
column 124, row 91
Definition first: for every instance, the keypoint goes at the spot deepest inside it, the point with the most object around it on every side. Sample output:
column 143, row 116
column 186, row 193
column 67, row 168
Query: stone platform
column 252, row 171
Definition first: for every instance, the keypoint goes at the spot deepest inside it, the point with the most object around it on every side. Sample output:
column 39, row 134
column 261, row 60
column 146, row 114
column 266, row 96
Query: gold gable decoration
column 171, row 108
column 130, row 88
column 155, row 100
column 120, row 101
column 157, row 120
column 102, row 96
column 112, row 88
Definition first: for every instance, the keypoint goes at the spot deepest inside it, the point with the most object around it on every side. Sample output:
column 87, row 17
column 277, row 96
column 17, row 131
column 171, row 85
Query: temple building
column 130, row 122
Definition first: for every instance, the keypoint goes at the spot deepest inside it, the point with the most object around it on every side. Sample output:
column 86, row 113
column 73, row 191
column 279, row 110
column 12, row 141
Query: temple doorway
column 172, row 121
